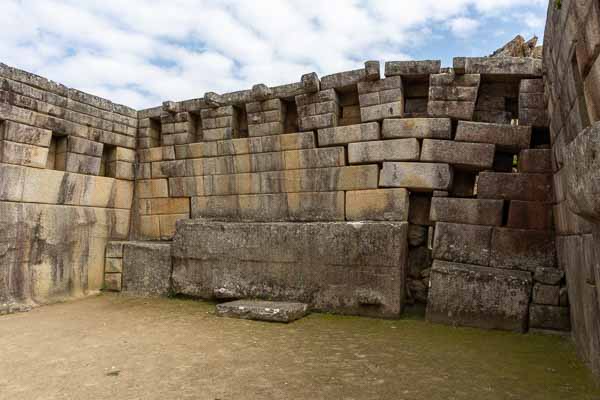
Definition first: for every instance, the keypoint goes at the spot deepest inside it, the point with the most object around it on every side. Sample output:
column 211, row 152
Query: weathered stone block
column 507, row 186
column 120, row 170
column 481, row 297
column 548, row 276
column 157, row 154
column 320, row 121
column 272, row 311
column 384, row 150
column 470, row 156
column 307, row 206
column 23, row 154
column 314, row 158
column 380, row 112
column 377, row 205
column 412, row 68
column 535, row 161
column 113, row 282
column 165, row 205
column 505, row 137
column 83, row 146
column 113, row 265
column 433, row 128
column 522, row 249
column 549, row 317
column 168, row 223
column 147, row 268
column 348, row 134
column 420, row 207
column 530, row 215
column 516, row 66
column 152, row 188
column 19, row 133
column 468, row 244
column 416, row 176
column 462, row 110
column 546, row 294
column 354, row 268
column 467, row 211
column 114, row 249
column 82, row 164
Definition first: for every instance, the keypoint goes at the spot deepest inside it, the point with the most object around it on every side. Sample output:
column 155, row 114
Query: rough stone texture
column 505, row 137
column 348, row 134
column 271, row 311
column 508, row 186
column 467, row 211
column 535, row 161
column 416, row 176
column 384, row 150
column 482, row 297
column 432, row 128
column 546, row 294
column 470, row 156
column 522, row 249
column 147, row 268
column 377, row 205
column 530, row 215
column 515, row 66
column 549, row 317
column 468, row 244
column 412, row 68
column 355, row 268
column 381, row 99
column 452, row 95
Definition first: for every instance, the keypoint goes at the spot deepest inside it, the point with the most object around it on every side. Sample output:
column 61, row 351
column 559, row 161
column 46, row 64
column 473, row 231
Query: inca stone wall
column 470, row 189
column 66, row 188
column 571, row 48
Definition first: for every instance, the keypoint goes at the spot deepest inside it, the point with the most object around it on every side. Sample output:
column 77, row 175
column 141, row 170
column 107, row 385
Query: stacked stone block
column 266, row 117
column 24, row 145
column 219, row 123
column 113, row 266
column 452, row 95
column 318, row 110
column 381, row 99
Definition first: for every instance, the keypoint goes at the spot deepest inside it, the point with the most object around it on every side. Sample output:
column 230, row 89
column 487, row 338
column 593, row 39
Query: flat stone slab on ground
column 259, row 310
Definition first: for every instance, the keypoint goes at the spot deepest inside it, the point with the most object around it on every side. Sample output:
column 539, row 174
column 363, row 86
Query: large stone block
column 546, row 294
column 470, row 156
column 516, row 66
column 506, row 137
column 147, row 268
column 272, row 311
column 82, row 164
column 377, row 205
column 378, row 112
column 348, row 134
column 432, row 128
column 353, row 268
column 384, row 150
column 530, row 215
column 549, row 317
column 522, row 249
column 535, row 161
column 412, row 68
column 416, row 176
column 305, row 207
column 152, row 188
column 508, row 186
column 481, row 297
column 23, row 154
column 27, row 134
column 467, row 211
column 468, row 244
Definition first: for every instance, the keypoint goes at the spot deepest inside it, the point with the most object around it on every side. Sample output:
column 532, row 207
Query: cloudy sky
column 141, row 52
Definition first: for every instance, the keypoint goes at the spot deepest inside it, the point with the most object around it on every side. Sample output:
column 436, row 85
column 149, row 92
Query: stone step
column 258, row 310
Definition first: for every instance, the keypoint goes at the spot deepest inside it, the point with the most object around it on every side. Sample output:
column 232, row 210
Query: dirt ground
column 113, row 347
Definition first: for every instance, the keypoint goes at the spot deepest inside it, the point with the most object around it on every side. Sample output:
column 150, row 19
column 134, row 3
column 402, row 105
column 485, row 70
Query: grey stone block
column 432, row 128
column 147, row 268
column 517, row 66
column 416, row 176
column 412, row 68
column 467, row 244
column 470, row 156
column 271, row 311
column 505, row 137
column 522, row 249
column 327, row 265
column 467, row 211
column 348, row 134
column 384, row 150
column 549, row 317
column 546, row 294
column 549, row 276
column 508, row 186
column 481, row 297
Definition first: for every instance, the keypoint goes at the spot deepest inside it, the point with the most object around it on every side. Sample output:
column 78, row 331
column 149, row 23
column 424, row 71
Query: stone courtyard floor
column 113, row 347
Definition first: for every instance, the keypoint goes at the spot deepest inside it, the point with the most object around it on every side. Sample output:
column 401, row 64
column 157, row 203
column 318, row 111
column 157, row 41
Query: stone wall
column 66, row 188
column 572, row 94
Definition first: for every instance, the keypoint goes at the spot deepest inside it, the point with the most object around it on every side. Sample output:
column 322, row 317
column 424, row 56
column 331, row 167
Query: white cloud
column 141, row 52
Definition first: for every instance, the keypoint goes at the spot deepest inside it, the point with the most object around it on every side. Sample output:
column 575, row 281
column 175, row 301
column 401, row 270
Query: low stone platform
column 272, row 311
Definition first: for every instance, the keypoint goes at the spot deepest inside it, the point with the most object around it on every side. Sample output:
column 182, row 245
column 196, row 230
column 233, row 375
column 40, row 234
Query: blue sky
column 141, row 52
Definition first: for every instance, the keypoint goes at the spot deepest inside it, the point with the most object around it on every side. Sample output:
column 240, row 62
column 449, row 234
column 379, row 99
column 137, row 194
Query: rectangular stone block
column 522, row 249
column 186, row 186
column 313, row 122
column 359, row 269
column 432, row 128
column 467, row 211
column 377, row 205
column 509, row 186
column 23, row 154
column 313, row 158
column 82, row 146
column 480, row 297
column 147, row 268
column 166, row 205
column 112, row 265
column 82, row 164
column 121, row 170
column 113, row 282
column 168, row 223
column 546, row 294
column 272, row 311
column 152, row 188
column 384, row 150
column 530, row 215
column 468, row 244
column 549, row 317
column 348, row 134
column 19, row 133
column 217, row 134
column 265, row 129
column 114, row 249
column 299, row 207
column 516, row 66
column 163, row 153
column 462, row 110
column 380, row 112
column 469, row 156
column 416, row 176
column 412, row 68
column 535, row 161
column 511, row 138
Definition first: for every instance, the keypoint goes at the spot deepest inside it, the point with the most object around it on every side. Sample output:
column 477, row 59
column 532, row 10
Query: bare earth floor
column 113, row 347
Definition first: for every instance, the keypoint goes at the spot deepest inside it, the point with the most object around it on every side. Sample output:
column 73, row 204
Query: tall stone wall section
column 572, row 94
column 66, row 188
